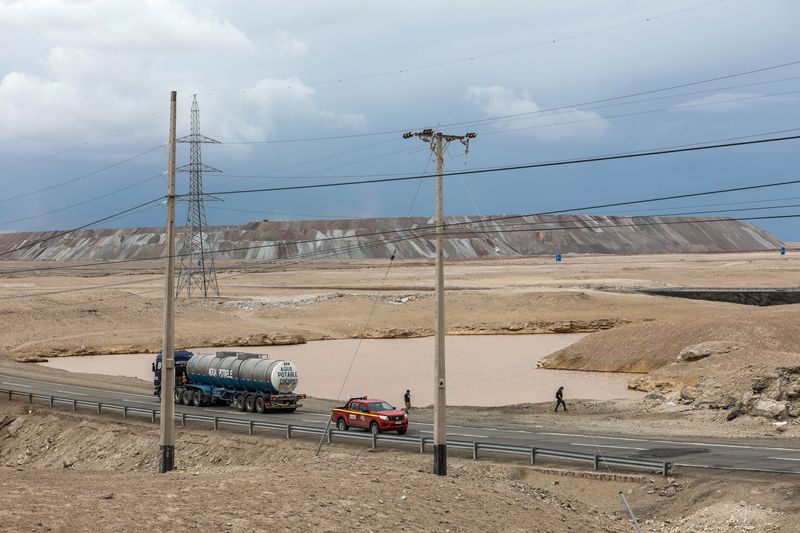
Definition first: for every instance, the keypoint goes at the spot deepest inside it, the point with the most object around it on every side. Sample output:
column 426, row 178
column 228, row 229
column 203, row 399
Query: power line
column 84, row 202
column 565, row 107
column 642, row 112
column 420, row 229
column 79, row 145
column 591, row 159
column 748, row 202
column 281, row 213
column 83, row 176
column 84, row 226
column 472, row 58
column 356, row 246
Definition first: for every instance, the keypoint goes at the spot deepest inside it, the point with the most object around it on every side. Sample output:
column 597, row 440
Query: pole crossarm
column 197, row 167
column 197, row 138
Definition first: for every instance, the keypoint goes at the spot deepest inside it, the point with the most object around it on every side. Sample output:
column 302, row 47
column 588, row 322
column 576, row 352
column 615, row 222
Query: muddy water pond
column 482, row 370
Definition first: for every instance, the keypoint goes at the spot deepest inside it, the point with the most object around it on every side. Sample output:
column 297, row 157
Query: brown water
column 482, row 370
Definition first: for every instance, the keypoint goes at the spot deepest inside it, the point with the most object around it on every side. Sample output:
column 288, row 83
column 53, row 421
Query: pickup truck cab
column 372, row 415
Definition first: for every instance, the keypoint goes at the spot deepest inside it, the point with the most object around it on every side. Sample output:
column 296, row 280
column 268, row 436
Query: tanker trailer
column 247, row 380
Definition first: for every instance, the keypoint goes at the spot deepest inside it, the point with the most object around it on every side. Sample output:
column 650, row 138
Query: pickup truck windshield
column 380, row 406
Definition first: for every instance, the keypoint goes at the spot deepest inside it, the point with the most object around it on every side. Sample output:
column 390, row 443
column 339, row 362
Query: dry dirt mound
column 106, row 472
column 66, row 472
column 646, row 346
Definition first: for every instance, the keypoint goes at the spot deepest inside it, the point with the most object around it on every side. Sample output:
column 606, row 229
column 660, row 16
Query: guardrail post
column 10, row 393
column 183, row 419
column 216, row 423
column 533, row 455
column 666, row 469
column 288, row 431
column 475, row 451
column 422, row 445
column 124, row 411
column 250, row 428
column 30, row 397
column 374, row 440
column 596, row 462
column 330, row 435
column 74, row 405
column 51, row 401
column 153, row 416
column 99, row 408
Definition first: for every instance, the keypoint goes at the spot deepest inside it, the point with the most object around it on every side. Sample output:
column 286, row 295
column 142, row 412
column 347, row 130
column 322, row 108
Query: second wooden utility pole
column 166, row 444
column 439, row 142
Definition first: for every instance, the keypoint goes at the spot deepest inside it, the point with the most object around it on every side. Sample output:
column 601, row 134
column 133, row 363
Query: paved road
column 694, row 454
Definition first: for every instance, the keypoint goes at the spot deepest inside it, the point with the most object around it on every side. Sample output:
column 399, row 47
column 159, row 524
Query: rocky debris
column 30, row 359
column 299, row 301
column 775, row 396
column 393, row 333
column 268, row 339
column 647, row 384
column 6, row 420
column 14, row 426
column 537, row 327
column 724, row 517
column 706, row 349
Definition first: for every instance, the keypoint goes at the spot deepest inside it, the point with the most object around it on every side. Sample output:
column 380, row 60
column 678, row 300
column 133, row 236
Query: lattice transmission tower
column 197, row 261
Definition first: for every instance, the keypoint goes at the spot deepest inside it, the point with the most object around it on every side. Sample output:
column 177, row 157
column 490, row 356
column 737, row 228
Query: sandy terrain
column 107, row 469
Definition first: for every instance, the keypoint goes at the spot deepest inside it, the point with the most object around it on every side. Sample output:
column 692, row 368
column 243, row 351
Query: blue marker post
column 558, row 258
column 783, row 250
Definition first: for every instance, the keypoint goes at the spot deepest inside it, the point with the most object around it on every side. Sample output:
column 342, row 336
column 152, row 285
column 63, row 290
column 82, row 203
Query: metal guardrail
column 289, row 430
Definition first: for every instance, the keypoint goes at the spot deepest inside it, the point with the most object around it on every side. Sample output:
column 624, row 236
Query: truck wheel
column 259, row 404
column 401, row 431
column 178, row 395
column 341, row 425
column 186, row 397
column 249, row 403
column 374, row 429
column 197, row 398
column 239, row 401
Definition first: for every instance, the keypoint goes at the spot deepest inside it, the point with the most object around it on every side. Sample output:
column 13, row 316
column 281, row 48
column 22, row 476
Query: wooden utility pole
column 166, row 443
column 439, row 142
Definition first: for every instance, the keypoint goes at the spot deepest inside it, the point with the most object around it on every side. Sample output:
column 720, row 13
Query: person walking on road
column 407, row 400
column 560, row 398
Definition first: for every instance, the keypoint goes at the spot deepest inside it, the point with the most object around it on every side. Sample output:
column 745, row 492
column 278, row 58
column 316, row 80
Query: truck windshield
column 380, row 406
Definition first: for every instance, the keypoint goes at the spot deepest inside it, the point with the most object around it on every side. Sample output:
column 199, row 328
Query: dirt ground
column 107, row 467
column 116, row 308
column 231, row 482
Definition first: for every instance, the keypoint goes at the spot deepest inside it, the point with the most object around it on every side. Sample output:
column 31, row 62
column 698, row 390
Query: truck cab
column 373, row 415
column 181, row 358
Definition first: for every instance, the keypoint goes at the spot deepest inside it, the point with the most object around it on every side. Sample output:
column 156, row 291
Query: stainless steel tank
column 243, row 371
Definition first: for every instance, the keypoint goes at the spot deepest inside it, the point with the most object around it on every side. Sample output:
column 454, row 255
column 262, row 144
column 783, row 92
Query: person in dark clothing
column 560, row 398
column 407, row 400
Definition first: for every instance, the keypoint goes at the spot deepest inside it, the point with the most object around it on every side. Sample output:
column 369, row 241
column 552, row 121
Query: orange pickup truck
column 373, row 415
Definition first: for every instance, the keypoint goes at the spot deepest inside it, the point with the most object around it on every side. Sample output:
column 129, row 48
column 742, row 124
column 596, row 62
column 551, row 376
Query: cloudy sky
column 305, row 92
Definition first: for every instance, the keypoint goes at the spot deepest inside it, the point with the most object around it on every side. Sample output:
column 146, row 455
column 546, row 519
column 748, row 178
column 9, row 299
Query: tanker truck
column 247, row 380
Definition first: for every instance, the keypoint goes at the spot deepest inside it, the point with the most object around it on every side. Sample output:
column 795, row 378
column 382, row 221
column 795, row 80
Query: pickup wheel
column 186, row 397
column 259, row 404
column 402, row 431
column 197, row 398
column 374, row 429
column 239, row 401
column 341, row 425
column 249, row 403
